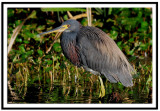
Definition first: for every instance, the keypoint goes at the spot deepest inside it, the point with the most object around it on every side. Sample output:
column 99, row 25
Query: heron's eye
column 68, row 25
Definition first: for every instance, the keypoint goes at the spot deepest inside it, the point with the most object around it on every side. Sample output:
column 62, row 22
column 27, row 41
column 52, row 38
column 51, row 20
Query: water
column 77, row 94
column 70, row 92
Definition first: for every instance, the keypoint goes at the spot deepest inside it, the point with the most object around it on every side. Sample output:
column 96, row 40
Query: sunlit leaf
column 114, row 34
column 22, row 49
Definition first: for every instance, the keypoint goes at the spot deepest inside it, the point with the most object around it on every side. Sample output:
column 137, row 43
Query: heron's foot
column 102, row 90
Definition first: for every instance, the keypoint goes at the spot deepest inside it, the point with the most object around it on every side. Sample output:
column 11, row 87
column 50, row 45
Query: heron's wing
column 100, row 53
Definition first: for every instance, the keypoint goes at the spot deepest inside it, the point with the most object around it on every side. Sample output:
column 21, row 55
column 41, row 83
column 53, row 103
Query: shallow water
column 77, row 94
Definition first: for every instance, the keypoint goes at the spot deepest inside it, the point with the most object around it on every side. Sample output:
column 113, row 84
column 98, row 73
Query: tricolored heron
column 95, row 51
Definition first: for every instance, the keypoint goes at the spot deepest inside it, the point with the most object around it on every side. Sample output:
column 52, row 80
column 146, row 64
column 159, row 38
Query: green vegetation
column 37, row 61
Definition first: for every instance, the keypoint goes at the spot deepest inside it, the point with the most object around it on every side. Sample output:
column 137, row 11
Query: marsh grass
column 83, row 83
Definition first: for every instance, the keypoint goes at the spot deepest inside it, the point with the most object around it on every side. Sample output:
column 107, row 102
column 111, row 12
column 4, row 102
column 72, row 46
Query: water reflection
column 76, row 94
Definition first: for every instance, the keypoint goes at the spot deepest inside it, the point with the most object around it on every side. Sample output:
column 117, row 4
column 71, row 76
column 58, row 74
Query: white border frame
column 6, row 105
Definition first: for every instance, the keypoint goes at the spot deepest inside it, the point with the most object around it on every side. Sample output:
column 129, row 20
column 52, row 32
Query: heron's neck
column 69, row 36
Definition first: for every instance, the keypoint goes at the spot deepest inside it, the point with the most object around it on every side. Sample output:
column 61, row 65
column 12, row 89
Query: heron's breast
column 73, row 54
column 71, row 51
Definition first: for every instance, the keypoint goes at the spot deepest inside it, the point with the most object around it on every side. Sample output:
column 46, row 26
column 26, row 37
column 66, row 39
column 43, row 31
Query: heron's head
column 67, row 26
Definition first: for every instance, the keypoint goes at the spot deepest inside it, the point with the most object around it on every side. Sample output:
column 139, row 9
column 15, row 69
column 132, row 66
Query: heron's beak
column 58, row 29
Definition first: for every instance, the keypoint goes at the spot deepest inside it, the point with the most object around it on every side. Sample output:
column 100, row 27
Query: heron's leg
column 102, row 91
column 92, row 71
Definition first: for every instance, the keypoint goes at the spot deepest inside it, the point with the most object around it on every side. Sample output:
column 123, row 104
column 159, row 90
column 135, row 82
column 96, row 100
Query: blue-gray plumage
column 94, row 50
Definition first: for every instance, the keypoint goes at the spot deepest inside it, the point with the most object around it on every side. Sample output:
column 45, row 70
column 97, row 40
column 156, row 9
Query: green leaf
column 99, row 10
column 19, row 40
column 132, row 58
column 32, row 15
column 41, row 27
column 48, row 56
column 131, row 52
column 24, row 56
column 143, row 46
column 111, row 20
column 18, row 22
column 140, row 14
column 150, row 42
column 57, row 47
column 65, row 17
column 131, row 39
column 144, row 25
column 49, row 62
column 63, row 9
column 128, row 27
column 97, row 23
column 119, row 43
column 89, row 75
column 50, row 22
column 135, row 34
column 10, row 12
column 28, row 34
column 130, row 92
column 110, row 11
column 57, row 65
column 19, row 10
column 149, row 81
column 40, row 52
column 114, row 34
column 26, row 42
column 22, row 49
column 124, row 34
column 84, row 22
column 29, row 52
column 56, row 58
column 48, row 69
column 120, row 86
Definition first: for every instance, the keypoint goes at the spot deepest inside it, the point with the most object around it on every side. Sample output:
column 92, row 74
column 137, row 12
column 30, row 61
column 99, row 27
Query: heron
column 91, row 48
